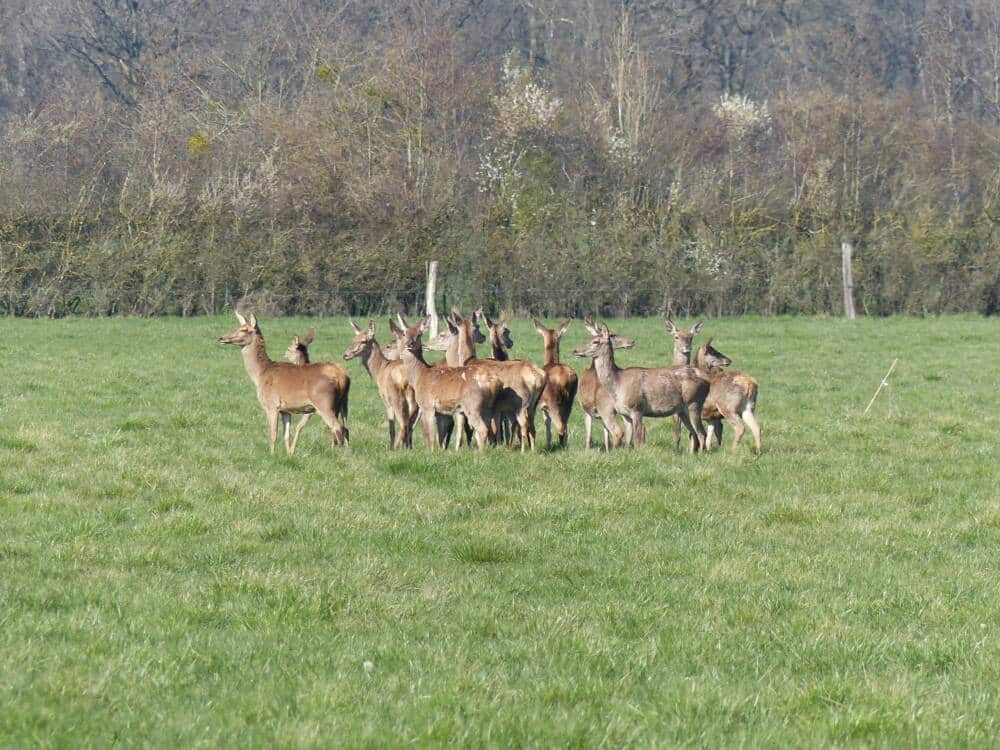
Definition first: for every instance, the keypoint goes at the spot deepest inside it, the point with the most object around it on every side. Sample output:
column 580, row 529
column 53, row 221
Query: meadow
column 164, row 581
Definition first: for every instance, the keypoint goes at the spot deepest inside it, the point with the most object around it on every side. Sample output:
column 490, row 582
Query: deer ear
column 697, row 327
column 253, row 322
column 456, row 315
column 354, row 326
column 396, row 330
column 295, row 341
column 452, row 326
column 402, row 320
column 708, row 343
column 243, row 321
column 588, row 323
column 670, row 326
column 564, row 327
column 371, row 327
column 310, row 335
column 424, row 324
column 486, row 317
column 538, row 326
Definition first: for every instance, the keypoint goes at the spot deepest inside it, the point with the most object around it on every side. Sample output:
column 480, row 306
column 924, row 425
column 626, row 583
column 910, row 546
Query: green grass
column 166, row 582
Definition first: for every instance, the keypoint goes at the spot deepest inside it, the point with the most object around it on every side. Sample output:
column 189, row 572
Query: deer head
column 499, row 331
column 711, row 359
column 408, row 339
column 603, row 340
column 244, row 333
column 363, row 339
column 298, row 351
column 682, row 340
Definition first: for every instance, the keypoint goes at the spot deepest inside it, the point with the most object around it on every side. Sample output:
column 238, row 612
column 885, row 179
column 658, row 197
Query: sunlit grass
column 165, row 581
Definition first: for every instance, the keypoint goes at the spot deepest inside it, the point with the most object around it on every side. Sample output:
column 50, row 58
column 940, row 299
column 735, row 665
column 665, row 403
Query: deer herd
column 493, row 401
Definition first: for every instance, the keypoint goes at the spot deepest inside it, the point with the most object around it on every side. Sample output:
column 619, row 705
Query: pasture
column 166, row 582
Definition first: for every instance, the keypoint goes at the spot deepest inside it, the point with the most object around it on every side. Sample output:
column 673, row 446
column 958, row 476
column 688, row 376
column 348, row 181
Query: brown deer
column 597, row 402
column 298, row 351
column 467, row 393
column 732, row 396
column 682, row 356
column 523, row 382
column 285, row 389
column 647, row 391
column 561, row 386
column 392, row 381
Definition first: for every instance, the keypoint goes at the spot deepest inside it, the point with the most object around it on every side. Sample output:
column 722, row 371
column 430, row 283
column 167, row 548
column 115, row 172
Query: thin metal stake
column 883, row 384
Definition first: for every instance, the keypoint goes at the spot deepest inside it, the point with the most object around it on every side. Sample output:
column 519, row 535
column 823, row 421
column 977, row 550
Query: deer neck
column 255, row 359
column 551, row 352
column 607, row 370
column 460, row 349
column 680, row 358
column 414, row 364
column 373, row 359
column 499, row 353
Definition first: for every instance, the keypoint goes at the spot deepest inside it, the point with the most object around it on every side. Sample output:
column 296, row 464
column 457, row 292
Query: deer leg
column 286, row 423
column 738, row 429
column 709, row 434
column 481, row 429
column 459, row 429
column 677, row 433
column 751, row 419
column 333, row 422
column 693, row 411
column 428, row 420
column 298, row 429
column 272, row 427
column 522, row 425
column 588, row 427
column 548, row 427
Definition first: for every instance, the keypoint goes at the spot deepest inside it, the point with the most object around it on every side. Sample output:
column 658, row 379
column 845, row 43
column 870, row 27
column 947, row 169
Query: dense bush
column 311, row 160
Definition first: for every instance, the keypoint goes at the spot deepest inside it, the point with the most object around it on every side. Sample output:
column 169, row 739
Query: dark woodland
column 556, row 156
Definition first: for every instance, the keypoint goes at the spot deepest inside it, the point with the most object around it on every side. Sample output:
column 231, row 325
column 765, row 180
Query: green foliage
column 197, row 144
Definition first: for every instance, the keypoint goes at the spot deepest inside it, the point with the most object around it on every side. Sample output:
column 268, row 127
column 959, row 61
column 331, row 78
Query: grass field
column 166, row 582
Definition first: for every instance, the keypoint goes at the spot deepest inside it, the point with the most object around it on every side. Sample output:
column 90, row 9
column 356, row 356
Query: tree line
column 557, row 156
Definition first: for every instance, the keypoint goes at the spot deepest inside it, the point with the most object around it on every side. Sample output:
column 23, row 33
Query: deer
column 597, row 402
column 561, row 385
column 284, row 389
column 466, row 393
column 647, row 391
column 682, row 356
column 732, row 396
column 298, row 351
column 392, row 381
column 523, row 382
column 445, row 423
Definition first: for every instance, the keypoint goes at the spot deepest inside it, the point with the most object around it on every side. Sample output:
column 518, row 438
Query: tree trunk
column 846, row 251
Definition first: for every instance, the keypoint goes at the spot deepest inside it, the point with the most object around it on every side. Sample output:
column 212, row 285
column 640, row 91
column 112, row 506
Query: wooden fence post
column 432, row 272
column 846, row 251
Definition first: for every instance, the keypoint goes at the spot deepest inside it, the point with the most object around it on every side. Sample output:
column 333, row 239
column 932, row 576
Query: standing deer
column 392, row 381
column 523, row 382
column 732, row 396
column 647, row 391
column 298, row 351
column 467, row 393
column 285, row 389
column 561, row 386
column 597, row 402
column 682, row 356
